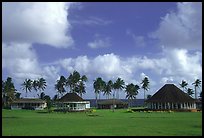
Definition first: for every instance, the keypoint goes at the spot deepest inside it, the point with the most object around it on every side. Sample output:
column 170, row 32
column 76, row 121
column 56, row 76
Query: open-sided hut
column 110, row 103
column 72, row 102
column 170, row 97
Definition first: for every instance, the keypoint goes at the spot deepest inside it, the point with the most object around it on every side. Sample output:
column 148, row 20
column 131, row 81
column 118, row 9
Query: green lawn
column 106, row 123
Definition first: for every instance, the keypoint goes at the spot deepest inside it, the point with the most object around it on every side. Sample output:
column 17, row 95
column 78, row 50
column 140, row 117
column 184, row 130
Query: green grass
column 104, row 123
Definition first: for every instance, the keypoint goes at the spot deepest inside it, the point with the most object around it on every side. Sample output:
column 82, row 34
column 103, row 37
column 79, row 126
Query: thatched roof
column 70, row 97
column 170, row 93
column 111, row 101
column 29, row 100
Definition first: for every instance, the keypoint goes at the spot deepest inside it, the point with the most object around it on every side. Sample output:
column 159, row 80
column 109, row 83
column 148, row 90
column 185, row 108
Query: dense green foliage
column 100, row 123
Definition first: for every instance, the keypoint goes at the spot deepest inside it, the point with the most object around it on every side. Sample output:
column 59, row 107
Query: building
column 72, row 102
column 110, row 103
column 29, row 103
column 170, row 97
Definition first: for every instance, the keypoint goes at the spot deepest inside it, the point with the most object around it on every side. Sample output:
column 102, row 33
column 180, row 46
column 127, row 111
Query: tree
column 42, row 95
column 183, row 84
column 27, row 85
column 196, row 84
column 118, row 85
column 35, row 85
column 201, row 95
column 98, row 85
column 81, row 85
column 145, row 85
column 17, row 95
column 80, row 89
column 190, row 91
column 149, row 96
column 42, row 84
column 9, row 90
column 48, row 101
column 59, row 86
column 132, row 91
column 108, row 88
column 75, row 79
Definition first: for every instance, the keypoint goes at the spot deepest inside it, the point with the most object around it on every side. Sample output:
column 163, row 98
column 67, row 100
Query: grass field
column 104, row 123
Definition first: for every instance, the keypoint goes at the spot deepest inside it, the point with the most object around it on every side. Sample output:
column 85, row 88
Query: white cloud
column 139, row 40
column 20, row 60
column 99, row 43
column 182, row 28
column 37, row 22
column 90, row 21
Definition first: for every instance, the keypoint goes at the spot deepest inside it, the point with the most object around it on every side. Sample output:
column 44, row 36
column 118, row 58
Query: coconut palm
column 196, row 84
column 145, row 85
column 108, row 88
column 80, row 89
column 27, row 85
column 132, row 91
column 59, row 86
column 98, row 85
column 75, row 79
column 35, row 85
column 118, row 85
column 9, row 91
column 81, row 85
column 42, row 84
column 183, row 84
column 190, row 91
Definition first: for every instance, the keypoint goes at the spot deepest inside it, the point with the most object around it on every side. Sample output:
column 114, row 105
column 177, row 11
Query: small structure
column 29, row 103
column 72, row 102
column 170, row 97
column 110, row 103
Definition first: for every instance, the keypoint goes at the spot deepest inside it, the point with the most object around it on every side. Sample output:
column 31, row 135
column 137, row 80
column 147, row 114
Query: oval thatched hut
column 170, row 97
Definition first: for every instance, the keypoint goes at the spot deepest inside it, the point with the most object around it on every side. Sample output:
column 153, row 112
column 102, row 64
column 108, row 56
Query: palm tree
column 75, row 79
column 183, row 84
column 42, row 84
column 59, row 86
column 42, row 95
column 107, row 89
column 81, row 85
column 132, row 91
column 190, row 91
column 35, row 85
column 201, row 95
column 81, row 88
column 9, row 91
column 118, row 85
column 98, row 85
column 196, row 84
column 145, row 85
column 27, row 85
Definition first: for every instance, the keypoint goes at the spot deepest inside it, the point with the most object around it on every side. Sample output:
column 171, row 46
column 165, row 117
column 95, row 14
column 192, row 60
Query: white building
column 72, row 102
column 29, row 103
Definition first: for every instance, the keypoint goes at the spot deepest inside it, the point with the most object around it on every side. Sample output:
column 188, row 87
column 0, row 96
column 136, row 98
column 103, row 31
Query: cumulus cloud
column 20, row 60
column 37, row 22
column 181, row 28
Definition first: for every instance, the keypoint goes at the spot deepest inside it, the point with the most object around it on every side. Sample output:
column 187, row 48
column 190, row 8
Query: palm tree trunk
column 144, row 94
column 195, row 93
column 96, row 101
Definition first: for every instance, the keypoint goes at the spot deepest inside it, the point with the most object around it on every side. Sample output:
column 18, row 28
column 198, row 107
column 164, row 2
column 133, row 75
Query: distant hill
column 135, row 102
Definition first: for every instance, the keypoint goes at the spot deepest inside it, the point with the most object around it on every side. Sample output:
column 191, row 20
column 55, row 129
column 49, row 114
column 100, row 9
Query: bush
column 130, row 111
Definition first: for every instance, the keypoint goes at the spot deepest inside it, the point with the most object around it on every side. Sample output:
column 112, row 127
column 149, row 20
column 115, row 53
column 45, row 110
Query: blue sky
column 160, row 40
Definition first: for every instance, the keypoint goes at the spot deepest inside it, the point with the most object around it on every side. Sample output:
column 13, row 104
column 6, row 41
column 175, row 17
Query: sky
column 130, row 40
